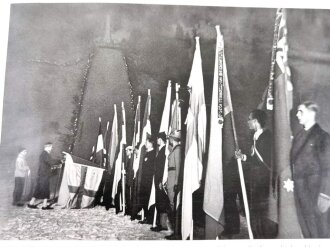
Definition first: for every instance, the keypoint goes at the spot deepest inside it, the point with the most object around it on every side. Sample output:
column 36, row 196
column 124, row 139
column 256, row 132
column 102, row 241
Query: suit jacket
column 161, row 196
column 264, row 147
column 260, row 171
column 310, row 155
column 159, row 166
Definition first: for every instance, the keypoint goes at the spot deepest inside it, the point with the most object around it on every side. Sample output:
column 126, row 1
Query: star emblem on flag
column 288, row 185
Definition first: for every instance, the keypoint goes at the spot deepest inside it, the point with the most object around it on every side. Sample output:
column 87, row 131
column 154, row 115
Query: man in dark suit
column 46, row 165
column 147, row 170
column 161, row 196
column 310, row 160
column 259, row 164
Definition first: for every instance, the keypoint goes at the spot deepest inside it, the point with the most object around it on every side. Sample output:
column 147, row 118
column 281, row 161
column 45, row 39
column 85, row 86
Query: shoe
column 47, row 208
column 143, row 221
column 227, row 235
column 19, row 204
column 157, row 229
column 172, row 237
column 32, row 206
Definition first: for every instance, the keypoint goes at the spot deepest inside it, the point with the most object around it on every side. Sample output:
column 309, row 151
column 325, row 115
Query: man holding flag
column 259, row 162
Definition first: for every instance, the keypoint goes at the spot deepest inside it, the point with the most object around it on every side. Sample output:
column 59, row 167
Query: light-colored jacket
column 21, row 167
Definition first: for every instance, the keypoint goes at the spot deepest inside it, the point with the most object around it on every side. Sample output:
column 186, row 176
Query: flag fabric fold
column 221, row 143
column 213, row 192
column 119, row 161
column 195, row 142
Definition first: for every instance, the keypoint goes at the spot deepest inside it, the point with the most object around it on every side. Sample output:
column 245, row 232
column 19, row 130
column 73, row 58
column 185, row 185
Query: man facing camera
column 310, row 160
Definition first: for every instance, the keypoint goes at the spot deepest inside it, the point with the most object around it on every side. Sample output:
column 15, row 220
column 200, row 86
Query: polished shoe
column 47, row 208
column 19, row 204
column 32, row 206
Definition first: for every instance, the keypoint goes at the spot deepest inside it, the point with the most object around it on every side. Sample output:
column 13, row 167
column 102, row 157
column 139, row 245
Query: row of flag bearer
column 154, row 177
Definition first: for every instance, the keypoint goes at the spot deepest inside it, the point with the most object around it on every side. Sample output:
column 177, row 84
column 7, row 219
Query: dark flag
column 278, row 102
column 131, row 155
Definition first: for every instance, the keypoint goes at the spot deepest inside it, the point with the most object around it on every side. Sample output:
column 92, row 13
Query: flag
column 98, row 159
column 175, row 124
column 91, row 158
column 92, row 182
column 137, row 124
column 105, row 148
column 278, row 101
column 112, row 151
column 73, row 180
column 221, row 143
column 138, row 158
column 119, row 161
column 164, row 125
column 113, row 145
column 146, row 129
column 195, row 142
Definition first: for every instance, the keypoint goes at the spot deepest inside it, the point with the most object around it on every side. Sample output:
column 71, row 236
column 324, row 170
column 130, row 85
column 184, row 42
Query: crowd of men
column 310, row 164
column 163, row 215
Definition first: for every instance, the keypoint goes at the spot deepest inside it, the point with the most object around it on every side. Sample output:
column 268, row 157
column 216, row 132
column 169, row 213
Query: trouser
column 172, row 209
column 18, row 190
column 232, row 220
column 313, row 223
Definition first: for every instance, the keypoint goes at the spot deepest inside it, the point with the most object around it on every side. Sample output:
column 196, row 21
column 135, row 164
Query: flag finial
column 148, row 91
column 139, row 98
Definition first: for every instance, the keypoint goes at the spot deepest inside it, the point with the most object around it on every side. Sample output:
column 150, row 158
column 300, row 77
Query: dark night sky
column 49, row 45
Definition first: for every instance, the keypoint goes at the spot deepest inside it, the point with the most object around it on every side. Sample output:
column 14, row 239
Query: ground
column 66, row 224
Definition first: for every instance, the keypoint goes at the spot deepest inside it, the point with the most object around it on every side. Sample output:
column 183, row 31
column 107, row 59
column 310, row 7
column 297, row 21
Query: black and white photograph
column 154, row 121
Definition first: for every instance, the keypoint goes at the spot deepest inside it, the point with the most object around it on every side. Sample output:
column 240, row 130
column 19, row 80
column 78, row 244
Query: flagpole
column 123, row 162
column 155, row 217
column 241, row 175
column 123, row 182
